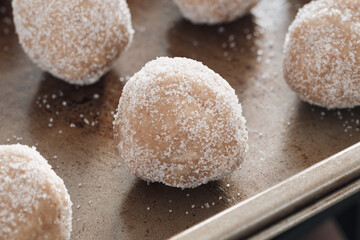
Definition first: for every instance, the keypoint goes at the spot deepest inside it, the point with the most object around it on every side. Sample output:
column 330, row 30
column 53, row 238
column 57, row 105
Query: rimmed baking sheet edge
column 255, row 213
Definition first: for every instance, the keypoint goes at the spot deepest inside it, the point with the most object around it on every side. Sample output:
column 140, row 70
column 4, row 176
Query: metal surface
column 310, row 211
column 286, row 135
column 271, row 205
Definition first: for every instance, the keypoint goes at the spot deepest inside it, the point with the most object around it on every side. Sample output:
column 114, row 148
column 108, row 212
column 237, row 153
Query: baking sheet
column 286, row 135
column 310, row 211
column 284, row 201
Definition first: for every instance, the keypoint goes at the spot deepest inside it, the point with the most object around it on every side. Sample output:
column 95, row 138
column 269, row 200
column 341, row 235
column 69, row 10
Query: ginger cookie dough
column 77, row 40
column 34, row 202
column 214, row 11
column 322, row 53
column 180, row 123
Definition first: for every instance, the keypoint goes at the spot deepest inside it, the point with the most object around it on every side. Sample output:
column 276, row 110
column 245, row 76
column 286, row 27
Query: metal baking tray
column 283, row 171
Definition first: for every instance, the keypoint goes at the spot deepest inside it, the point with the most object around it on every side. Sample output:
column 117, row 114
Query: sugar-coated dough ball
column 214, row 11
column 322, row 53
column 180, row 123
column 34, row 203
column 75, row 40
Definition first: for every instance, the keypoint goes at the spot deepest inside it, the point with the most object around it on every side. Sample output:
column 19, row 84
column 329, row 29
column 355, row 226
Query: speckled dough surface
column 180, row 123
column 76, row 40
column 34, row 203
column 214, row 11
column 322, row 53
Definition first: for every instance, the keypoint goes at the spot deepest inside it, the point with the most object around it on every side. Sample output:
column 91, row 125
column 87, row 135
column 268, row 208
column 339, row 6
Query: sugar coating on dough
column 322, row 53
column 75, row 40
column 180, row 123
column 34, row 202
column 214, row 11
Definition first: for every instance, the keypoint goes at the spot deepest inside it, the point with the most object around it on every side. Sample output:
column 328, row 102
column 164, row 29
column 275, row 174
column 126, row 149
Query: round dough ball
column 75, row 40
column 322, row 53
column 34, row 203
column 214, row 11
column 180, row 123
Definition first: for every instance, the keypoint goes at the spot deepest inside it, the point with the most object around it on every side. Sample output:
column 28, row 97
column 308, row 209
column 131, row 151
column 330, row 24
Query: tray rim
column 266, row 208
column 309, row 211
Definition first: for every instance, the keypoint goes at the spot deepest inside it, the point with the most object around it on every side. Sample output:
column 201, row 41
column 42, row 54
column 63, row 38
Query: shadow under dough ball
column 34, row 202
column 214, row 11
column 180, row 123
column 322, row 53
column 76, row 40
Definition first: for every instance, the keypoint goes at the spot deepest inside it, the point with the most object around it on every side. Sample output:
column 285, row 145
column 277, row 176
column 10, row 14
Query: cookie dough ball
column 75, row 40
column 214, row 11
column 180, row 123
column 322, row 53
column 34, row 203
